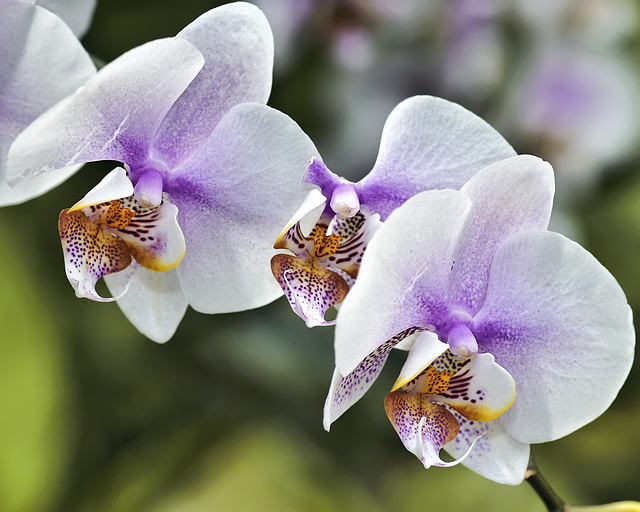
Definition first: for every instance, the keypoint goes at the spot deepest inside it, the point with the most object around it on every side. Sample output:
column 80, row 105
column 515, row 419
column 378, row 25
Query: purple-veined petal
column 42, row 63
column 154, row 302
column 559, row 323
column 237, row 45
column 234, row 198
column 346, row 391
column 425, row 349
column 496, row 455
column 77, row 14
column 153, row 235
column 115, row 185
column 508, row 196
column 310, row 287
column 481, row 391
column 423, row 427
column 428, row 143
column 403, row 279
column 113, row 116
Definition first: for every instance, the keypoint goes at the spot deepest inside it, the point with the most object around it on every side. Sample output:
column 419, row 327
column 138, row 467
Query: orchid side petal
column 425, row 349
column 481, row 391
column 560, row 324
column 496, row 455
column 428, row 228
column 427, row 144
column 237, row 45
column 346, row 391
column 154, row 303
column 113, row 116
column 508, row 196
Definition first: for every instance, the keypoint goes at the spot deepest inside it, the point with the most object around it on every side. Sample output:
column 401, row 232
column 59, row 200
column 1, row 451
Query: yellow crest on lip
column 118, row 217
column 324, row 245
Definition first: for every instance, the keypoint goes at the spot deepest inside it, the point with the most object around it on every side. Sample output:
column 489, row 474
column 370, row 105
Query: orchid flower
column 209, row 172
column 42, row 63
column 516, row 335
column 427, row 143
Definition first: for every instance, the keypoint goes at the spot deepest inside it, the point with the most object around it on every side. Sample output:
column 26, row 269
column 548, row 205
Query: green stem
column 552, row 501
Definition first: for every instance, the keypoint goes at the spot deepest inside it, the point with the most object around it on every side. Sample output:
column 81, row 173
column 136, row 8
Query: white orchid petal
column 427, row 227
column 42, row 63
column 115, row 185
column 429, row 143
column 237, row 45
column 113, row 116
column 508, row 196
column 154, row 303
column 560, row 324
column 496, row 455
column 235, row 196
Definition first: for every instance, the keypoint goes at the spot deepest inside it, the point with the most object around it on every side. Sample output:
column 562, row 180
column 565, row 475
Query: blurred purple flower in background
column 475, row 274
column 186, row 116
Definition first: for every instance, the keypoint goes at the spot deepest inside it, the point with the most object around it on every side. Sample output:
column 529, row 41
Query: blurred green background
column 228, row 414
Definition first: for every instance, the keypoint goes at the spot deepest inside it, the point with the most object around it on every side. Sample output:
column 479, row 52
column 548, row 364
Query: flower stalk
column 554, row 503
column 543, row 489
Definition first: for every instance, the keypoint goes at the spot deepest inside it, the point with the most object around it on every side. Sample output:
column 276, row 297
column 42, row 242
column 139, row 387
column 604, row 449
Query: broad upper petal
column 560, row 324
column 428, row 143
column 508, row 196
column 495, row 455
column 113, row 116
column 403, row 278
column 234, row 198
column 237, row 45
column 42, row 63
column 153, row 303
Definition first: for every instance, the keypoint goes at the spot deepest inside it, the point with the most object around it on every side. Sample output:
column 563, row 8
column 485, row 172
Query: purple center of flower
column 148, row 188
column 344, row 200
column 462, row 342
